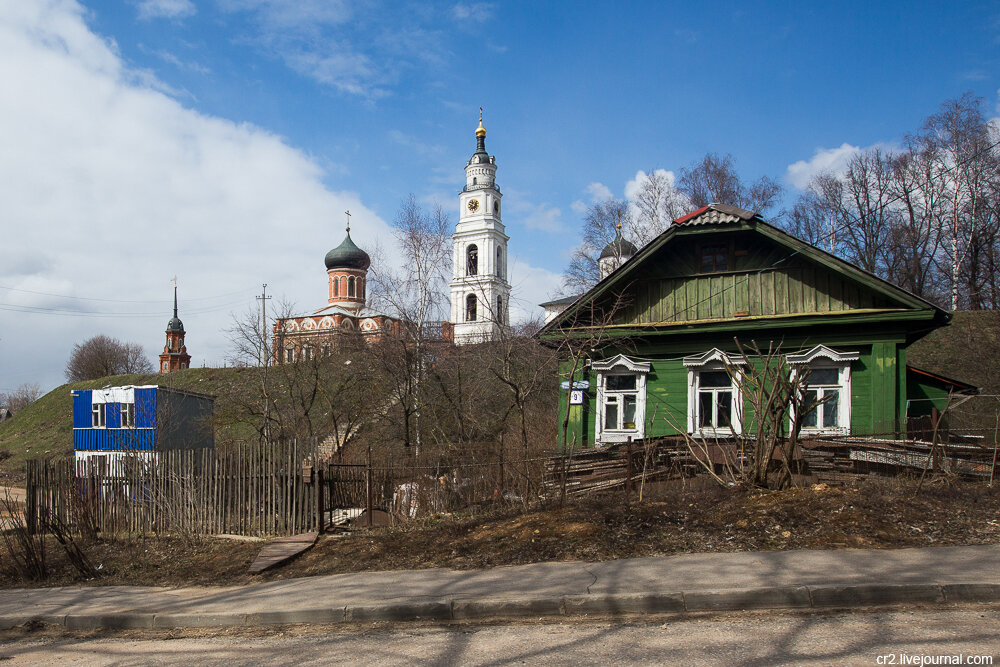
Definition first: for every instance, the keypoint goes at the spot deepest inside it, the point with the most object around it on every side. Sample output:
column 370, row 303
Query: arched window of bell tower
column 500, row 267
column 470, row 308
column 336, row 287
column 350, row 286
column 472, row 260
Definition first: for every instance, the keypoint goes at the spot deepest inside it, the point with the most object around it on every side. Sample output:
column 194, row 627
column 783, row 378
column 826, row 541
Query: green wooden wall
column 878, row 387
column 765, row 280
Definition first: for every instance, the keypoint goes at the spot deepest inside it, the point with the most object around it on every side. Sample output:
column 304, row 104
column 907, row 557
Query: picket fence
column 254, row 489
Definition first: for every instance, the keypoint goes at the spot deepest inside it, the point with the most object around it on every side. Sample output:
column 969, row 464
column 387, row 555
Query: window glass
column 611, row 414
column 811, row 417
column 724, row 403
column 620, row 382
column 714, row 258
column 831, row 409
column 824, row 376
column 99, row 415
column 705, row 402
column 628, row 411
column 714, row 379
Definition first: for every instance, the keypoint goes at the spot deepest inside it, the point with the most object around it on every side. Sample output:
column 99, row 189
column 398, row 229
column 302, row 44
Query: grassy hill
column 968, row 350
column 45, row 428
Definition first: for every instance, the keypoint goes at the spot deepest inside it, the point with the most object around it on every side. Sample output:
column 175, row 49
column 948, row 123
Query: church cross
column 348, row 214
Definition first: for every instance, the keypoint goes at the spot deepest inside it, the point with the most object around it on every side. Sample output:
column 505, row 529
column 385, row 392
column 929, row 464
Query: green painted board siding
column 877, row 407
column 757, row 286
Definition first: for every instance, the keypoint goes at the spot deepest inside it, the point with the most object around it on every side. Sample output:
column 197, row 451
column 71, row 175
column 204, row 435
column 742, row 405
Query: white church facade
column 480, row 292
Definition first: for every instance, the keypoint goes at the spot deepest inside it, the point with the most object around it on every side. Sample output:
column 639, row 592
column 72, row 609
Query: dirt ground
column 876, row 515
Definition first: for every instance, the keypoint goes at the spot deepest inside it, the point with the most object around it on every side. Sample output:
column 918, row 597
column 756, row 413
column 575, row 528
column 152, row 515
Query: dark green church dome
column 348, row 256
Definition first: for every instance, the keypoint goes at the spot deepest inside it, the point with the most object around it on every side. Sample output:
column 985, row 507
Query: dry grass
column 871, row 515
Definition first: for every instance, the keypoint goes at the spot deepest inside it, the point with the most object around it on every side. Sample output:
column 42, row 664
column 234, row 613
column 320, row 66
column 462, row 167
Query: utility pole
column 263, row 356
column 265, row 352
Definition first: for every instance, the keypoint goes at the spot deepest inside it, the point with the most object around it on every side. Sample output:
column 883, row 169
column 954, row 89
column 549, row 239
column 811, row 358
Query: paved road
column 747, row 640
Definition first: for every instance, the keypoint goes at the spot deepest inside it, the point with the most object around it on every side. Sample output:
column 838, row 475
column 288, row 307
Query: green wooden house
column 648, row 346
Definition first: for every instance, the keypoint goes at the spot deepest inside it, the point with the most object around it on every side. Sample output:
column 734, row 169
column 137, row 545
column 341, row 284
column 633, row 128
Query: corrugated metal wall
column 117, row 439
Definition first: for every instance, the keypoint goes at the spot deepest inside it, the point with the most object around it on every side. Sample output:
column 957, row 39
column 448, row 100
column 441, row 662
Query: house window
column 470, row 308
column 827, row 387
column 99, row 415
column 823, row 390
column 307, row 353
column 128, row 415
column 290, row 354
column 714, row 258
column 714, row 399
column 621, row 399
column 472, row 260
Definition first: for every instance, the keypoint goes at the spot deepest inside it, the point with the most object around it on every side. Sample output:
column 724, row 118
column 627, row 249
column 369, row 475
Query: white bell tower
column 480, row 293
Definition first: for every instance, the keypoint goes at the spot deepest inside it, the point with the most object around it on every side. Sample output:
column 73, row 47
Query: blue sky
column 221, row 140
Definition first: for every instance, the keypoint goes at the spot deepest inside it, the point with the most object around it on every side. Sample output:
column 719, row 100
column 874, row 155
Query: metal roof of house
column 714, row 214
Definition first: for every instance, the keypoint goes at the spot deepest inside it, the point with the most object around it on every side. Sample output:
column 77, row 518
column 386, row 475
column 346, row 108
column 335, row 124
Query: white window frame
column 822, row 357
column 619, row 366
column 99, row 415
column 714, row 360
column 128, row 415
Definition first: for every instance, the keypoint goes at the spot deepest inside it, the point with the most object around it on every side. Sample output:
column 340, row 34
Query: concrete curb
column 735, row 599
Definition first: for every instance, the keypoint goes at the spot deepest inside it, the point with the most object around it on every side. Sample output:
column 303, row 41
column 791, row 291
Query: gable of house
column 716, row 268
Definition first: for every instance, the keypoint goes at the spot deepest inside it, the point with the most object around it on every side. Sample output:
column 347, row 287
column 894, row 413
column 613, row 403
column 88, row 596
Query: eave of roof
column 963, row 387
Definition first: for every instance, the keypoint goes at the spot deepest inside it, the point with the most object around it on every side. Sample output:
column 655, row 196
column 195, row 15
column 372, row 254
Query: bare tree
column 715, row 180
column 22, row 397
column 102, row 356
column 959, row 146
column 600, row 224
column 416, row 294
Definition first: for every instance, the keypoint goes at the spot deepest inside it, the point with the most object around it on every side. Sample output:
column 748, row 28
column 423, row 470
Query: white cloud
column 473, row 11
column 358, row 52
column 598, row 192
column 111, row 187
column 833, row 160
column 166, row 9
column 632, row 186
column 578, row 207
column 542, row 217
column 530, row 286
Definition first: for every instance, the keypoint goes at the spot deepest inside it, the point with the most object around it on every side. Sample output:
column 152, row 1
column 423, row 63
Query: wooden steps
column 281, row 550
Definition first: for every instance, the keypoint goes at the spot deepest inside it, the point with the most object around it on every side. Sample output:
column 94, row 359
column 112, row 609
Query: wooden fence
column 252, row 489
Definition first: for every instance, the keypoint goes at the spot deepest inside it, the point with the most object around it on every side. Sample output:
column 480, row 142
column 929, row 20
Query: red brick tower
column 175, row 354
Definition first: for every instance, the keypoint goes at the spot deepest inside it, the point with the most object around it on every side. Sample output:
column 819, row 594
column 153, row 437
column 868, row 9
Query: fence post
column 368, row 488
column 319, row 498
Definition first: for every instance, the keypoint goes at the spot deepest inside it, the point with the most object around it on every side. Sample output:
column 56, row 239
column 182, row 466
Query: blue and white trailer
column 140, row 421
